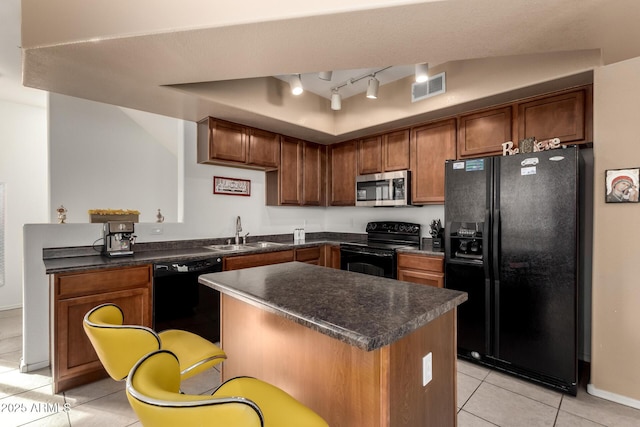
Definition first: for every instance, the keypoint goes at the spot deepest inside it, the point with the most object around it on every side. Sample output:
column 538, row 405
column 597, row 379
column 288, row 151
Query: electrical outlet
column 427, row 367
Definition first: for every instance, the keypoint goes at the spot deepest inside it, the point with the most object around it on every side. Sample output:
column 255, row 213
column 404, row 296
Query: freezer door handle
column 496, row 281
column 486, row 247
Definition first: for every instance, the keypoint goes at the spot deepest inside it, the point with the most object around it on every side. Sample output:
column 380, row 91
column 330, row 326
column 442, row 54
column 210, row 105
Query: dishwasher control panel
column 171, row 267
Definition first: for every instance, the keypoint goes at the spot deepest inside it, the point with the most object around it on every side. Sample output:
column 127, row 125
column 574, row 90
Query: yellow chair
column 120, row 346
column 153, row 392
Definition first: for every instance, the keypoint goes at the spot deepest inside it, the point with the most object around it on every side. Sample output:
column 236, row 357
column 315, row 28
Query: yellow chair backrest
column 118, row 346
column 153, row 392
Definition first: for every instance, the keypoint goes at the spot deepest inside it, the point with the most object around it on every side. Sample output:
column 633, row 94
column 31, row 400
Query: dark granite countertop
column 365, row 311
column 91, row 262
column 62, row 260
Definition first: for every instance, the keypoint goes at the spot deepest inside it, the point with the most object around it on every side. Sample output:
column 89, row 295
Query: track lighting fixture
column 372, row 89
column 336, row 100
column 325, row 75
column 422, row 72
column 296, row 84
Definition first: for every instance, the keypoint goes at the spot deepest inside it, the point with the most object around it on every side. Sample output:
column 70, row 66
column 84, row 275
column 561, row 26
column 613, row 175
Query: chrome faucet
column 238, row 229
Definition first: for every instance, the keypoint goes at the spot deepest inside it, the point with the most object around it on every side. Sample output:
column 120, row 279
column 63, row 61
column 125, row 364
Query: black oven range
column 378, row 256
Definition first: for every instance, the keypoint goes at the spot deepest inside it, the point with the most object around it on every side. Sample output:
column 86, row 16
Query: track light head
column 296, row 84
column 336, row 100
column 422, row 72
column 325, row 75
column 372, row 89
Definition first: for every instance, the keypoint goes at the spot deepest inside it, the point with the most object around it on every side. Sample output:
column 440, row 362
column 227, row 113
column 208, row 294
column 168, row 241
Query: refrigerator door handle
column 495, row 248
column 486, row 247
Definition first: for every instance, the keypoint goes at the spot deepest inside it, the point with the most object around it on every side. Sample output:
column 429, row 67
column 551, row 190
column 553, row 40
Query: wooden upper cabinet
column 370, row 155
column 483, row 133
column 396, row 149
column 222, row 142
column 384, row 153
column 314, row 159
column 342, row 174
column 300, row 179
column 290, row 173
column 264, row 148
column 431, row 145
column 566, row 116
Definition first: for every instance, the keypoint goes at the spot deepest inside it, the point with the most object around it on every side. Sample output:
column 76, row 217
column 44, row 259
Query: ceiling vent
column 432, row 87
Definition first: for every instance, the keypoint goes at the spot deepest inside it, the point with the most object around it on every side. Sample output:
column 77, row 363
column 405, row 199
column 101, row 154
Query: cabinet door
column 395, row 150
column 343, row 167
column 74, row 294
column 313, row 176
column 309, row 255
column 264, row 148
column 431, row 145
column 227, row 141
column 332, row 256
column 482, row 134
column 290, row 173
column 370, row 155
column 561, row 116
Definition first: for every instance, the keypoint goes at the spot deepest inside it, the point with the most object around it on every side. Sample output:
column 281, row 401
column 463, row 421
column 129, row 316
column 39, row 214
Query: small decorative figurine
column 159, row 216
column 62, row 214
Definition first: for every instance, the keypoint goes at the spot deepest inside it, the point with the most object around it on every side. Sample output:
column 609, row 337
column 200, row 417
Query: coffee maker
column 118, row 238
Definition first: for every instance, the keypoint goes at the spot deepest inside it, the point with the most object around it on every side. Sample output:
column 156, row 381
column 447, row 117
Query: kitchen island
column 348, row 345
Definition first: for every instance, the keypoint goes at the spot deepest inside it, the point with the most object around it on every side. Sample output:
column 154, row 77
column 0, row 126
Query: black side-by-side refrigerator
column 511, row 243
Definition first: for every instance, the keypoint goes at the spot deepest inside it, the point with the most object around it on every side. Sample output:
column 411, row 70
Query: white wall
column 107, row 157
column 23, row 169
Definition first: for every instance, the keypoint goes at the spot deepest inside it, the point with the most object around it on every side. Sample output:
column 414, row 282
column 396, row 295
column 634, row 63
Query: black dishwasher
column 180, row 302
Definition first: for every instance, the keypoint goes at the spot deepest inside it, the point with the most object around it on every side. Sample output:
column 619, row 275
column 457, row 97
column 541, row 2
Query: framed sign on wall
column 231, row 186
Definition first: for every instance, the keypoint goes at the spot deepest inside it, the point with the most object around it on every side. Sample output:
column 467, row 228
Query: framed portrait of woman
column 622, row 185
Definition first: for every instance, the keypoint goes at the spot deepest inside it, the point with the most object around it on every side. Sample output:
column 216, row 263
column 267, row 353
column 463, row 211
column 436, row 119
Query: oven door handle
column 366, row 252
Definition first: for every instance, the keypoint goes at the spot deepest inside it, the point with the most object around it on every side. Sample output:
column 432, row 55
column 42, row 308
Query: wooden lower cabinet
column 74, row 362
column 313, row 255
column 256, row 260
column 332, row 256
column 423, row 269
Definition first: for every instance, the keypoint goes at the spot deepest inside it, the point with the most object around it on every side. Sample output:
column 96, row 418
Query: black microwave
column 384, row 189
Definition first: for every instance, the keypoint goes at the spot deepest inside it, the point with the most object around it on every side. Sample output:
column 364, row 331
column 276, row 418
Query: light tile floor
column 485, row 397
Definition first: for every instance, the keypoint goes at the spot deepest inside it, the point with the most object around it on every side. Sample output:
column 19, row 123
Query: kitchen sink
column 248, row 246
column 264, row 244
column 224, row 248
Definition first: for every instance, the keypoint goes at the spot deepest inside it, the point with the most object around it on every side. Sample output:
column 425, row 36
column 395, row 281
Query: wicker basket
column 114, row 217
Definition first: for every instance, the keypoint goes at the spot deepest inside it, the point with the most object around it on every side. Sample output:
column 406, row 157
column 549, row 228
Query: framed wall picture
column 231, row 186
column 622, row 185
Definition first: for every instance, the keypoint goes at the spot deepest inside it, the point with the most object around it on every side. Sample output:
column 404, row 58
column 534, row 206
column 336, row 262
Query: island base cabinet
column 346, row 385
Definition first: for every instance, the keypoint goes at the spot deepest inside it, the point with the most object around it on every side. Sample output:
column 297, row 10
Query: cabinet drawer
column 421, row 262
column 421, row 277
column 308, row 254
column 255, row 260
column 96, row 281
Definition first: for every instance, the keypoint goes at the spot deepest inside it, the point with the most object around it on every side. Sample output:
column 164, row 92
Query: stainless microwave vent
column 432, row 87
